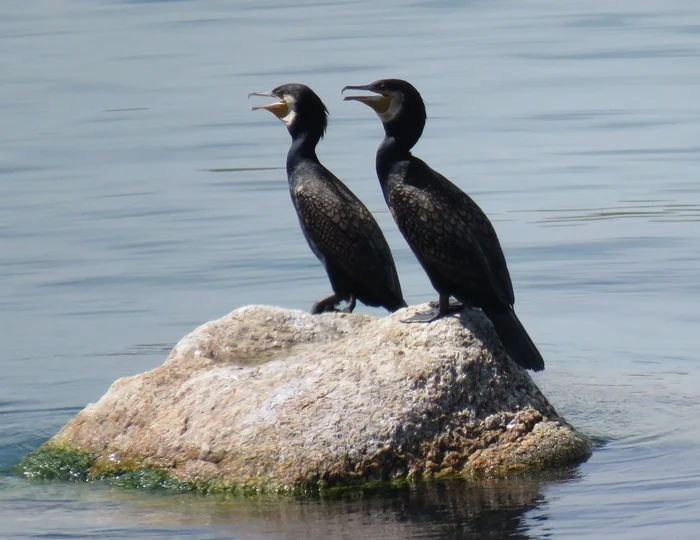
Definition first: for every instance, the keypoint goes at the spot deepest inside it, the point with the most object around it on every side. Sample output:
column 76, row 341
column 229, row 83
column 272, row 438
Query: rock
column 270, row 398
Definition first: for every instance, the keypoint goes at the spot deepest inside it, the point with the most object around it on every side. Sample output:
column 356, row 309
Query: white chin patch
column 291, row 115
column 394, row 107
column 289, row 119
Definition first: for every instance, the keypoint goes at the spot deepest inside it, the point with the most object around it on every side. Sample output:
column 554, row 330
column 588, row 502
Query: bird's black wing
column 450, row 233
column 344, row 234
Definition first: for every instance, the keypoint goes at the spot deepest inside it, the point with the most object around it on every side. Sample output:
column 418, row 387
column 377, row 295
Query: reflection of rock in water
column 456, row 509
column 279, row 399
column 450, row 509
column 491, row 509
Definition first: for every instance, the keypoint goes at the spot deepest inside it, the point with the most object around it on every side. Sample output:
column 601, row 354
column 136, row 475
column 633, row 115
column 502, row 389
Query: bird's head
column 397, row 103
column 298, row 107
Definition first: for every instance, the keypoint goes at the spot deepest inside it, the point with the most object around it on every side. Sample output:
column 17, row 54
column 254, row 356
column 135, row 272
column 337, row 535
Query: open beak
column 279, row 108
column 377, row 101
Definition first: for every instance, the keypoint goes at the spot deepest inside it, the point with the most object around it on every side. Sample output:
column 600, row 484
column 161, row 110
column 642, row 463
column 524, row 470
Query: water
column 139, row 197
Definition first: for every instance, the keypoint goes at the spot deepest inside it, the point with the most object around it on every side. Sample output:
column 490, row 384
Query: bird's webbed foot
column 453, row 307
column 326, row 305
column 440, row 309
column 425, row 317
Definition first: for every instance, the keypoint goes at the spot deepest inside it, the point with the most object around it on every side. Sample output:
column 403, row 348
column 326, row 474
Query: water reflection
column 451, row 509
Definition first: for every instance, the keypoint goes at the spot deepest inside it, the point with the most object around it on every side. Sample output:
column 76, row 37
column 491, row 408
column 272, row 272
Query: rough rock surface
column 274, row 398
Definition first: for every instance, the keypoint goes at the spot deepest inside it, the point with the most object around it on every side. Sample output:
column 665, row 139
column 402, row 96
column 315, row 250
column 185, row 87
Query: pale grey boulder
column 280, row 399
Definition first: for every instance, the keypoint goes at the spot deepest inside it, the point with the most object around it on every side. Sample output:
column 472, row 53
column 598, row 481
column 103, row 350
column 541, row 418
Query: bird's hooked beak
column 279, row 108
column 378, row 101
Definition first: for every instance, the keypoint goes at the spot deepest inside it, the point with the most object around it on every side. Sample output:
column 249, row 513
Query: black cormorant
column 339, row 229
column 447, row 231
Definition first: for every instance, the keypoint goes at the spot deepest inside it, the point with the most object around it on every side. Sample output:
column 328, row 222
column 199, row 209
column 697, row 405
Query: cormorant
column 339, row 229
column 450, row 235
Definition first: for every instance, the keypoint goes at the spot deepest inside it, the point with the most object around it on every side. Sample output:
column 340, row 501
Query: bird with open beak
column 339, row 229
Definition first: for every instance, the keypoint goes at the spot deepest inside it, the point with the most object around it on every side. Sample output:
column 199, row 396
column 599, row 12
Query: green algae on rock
column 279, row 400
column 53, row 462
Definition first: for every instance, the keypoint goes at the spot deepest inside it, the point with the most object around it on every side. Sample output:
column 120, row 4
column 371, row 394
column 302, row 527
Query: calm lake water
column 140, row 197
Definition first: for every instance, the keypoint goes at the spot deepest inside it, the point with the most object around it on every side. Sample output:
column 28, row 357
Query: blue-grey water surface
column 140, row 197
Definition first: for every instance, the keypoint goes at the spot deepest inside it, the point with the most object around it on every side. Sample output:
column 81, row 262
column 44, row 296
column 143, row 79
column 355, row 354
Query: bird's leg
column 445, row 308
column 351, row 304
column 325, row 305
column 453, row 307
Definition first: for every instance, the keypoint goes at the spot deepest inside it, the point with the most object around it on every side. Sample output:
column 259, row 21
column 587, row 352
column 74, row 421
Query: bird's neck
column 390, row 152
column 303, row 148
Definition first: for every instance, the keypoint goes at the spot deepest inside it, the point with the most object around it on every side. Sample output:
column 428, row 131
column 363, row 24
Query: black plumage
column 339, row 229
column 450, row 235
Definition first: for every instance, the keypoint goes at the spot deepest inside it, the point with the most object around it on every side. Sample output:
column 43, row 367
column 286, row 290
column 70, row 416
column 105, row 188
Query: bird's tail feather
column 516, row 340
